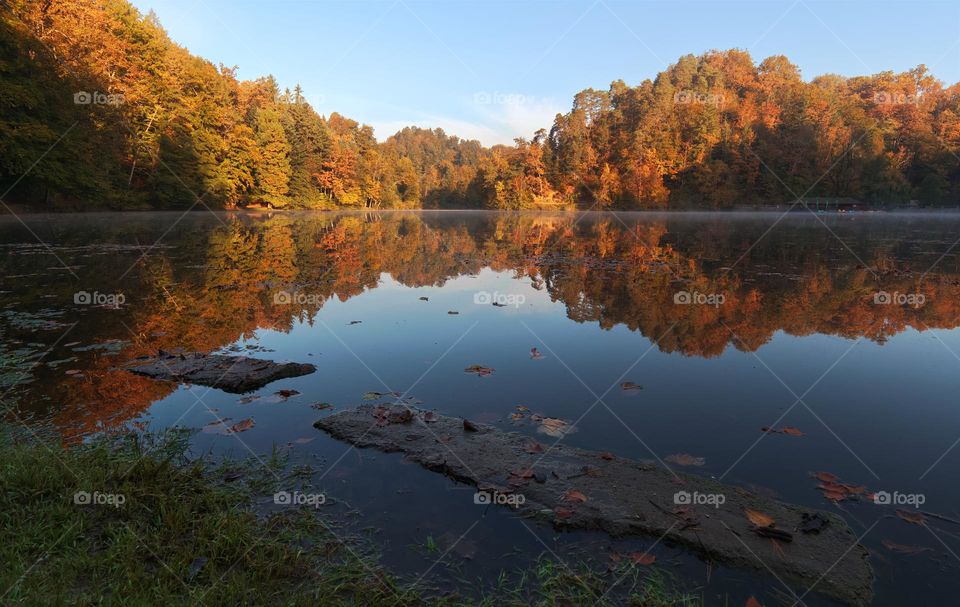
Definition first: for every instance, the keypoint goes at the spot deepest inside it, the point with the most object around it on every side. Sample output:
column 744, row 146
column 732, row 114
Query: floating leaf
column 354, row 322
column 535, row 354
column 685, row 459
column 914, row 518
column 321, row 406
column 642, row 558
column 791, row 431
column 480, row 370
column 902, row 549
column 424, row 299
column 826, row 477
column 759, row 518
column 630, row 387
column 572, row 495
column 241, row 426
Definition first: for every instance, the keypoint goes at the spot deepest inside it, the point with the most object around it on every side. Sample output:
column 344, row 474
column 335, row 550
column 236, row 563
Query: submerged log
column 576, row 488
column 236, row 374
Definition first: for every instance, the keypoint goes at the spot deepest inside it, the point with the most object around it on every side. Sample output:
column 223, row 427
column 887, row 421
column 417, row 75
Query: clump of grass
column 165, row 532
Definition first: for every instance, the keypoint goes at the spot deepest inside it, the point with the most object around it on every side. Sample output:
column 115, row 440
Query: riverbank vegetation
column 100, row 108
column 130, row 519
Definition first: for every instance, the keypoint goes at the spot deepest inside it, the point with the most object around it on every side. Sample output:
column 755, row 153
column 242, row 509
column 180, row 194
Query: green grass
column 184, row 536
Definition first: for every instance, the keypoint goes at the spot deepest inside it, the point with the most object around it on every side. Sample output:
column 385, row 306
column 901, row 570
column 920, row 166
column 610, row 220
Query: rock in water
column 236, row 374
column 579, row 489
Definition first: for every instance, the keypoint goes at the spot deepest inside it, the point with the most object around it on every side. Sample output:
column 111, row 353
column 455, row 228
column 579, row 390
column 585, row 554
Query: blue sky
column 493, row 71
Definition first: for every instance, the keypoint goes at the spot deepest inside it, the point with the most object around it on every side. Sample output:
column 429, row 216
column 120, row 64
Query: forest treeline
column 99, row 108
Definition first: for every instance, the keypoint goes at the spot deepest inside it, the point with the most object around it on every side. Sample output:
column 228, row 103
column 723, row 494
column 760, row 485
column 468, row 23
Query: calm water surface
column 787, row 325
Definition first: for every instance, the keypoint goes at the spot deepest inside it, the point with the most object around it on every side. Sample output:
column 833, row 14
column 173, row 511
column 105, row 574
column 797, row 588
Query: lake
column 765, row 347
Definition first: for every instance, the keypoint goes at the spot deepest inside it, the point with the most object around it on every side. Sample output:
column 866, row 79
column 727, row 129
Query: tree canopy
column 100, row 108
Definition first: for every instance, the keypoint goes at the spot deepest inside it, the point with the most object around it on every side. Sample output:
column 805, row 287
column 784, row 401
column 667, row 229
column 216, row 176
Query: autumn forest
column 142, row 123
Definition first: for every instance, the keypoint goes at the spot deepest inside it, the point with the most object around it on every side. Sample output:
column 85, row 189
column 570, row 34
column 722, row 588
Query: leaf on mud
column 791, row 431
column 685, row 459
column 533, row 447
column 241, row 426
column 606, row 455
column 572, row 495
column 479, row 370
column 759, row 518
column 642, row 558
column 914, row 518
column 556, row 427
column 630, row 388
column 535, row 354
column 902, row 549
column 562, row 512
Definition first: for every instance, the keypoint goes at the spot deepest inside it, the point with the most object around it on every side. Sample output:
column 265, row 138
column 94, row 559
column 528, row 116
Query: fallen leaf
column 902, row 549
column 685, row 459
column 572, row 495
column 759, row 518
column 642, row 558
column 241, row 426
column 452, row 312
column 914, row 518
column 791, row 431
column 606, row 455
column 424, row 299
column 479, row 370
column 826, row 477
column 630, row 387
column 562, row 512
column 217, row 427
column 354, row 322
column 555, row 427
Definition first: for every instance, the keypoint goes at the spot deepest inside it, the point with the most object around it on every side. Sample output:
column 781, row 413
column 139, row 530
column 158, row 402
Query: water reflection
column 690, row 284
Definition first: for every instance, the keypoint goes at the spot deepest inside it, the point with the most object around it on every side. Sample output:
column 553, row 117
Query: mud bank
column 574, row 488
column 236, row 374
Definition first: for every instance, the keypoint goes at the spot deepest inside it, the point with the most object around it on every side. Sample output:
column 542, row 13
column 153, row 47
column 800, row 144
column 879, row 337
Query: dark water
column 788, row 325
